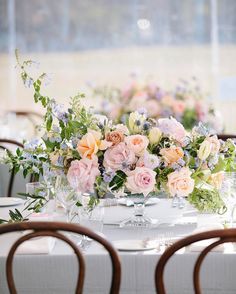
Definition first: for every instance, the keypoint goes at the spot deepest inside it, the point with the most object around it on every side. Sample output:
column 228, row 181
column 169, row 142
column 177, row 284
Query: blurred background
column 104, row 41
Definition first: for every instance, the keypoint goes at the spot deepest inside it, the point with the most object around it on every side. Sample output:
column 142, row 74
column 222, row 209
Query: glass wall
column 104, row 41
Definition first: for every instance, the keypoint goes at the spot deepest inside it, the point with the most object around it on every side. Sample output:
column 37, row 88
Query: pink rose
column 137, row 143
column 180, row 182
column 171, row 127
column 82, row 174
column 141, row 180
column 118, row 157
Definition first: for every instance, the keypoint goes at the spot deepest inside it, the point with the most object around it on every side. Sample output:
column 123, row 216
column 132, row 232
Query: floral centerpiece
column 187, row 103
column 143, row 156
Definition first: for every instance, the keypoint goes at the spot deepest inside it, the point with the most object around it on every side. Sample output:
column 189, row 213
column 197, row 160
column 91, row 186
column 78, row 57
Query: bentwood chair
column 218, row 237
column 56, row 230
column 33, row 117
column 6, row 144
column 224, row 137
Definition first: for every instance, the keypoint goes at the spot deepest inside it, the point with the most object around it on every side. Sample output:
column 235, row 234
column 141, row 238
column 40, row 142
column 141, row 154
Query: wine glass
column 90, row 217
column 66, row 194
column 228, row 194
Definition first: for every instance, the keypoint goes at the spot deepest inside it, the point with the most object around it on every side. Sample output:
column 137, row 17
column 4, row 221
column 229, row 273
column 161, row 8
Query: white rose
column 154, row 136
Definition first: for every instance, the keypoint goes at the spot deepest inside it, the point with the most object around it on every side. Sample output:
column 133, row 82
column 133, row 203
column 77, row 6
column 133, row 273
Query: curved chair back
column 222, row 236
column 4, row 144
column 33, row 117
column 224, row 137
column 56, row 229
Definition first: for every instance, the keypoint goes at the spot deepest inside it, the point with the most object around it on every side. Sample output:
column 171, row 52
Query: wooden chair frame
column 223, row 236
column 54, row 229
column 224, row 137
column 12, row 177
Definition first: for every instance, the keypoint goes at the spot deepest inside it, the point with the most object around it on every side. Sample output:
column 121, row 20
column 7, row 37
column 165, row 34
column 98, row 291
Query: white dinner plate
column 10, row 201
column 135, row 245
column 129, row 202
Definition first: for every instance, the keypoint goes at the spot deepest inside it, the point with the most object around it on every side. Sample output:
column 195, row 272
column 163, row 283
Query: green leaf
column 49, row 122
column 78, row 204
column 118, row 180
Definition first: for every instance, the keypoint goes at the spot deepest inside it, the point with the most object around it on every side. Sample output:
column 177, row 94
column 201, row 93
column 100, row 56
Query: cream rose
column 141, row 180
column 154, row 135
column 215, row 144
column 137, row 143
column 204, row 150
column 89, row 144
column 118, row 157
column 82, row 174
column 216, row 180
column 172, row 154
column 180, row 182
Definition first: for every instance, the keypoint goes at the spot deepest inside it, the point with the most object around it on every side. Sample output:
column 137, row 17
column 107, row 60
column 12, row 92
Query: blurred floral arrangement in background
column 140, row 156
column 187, row 103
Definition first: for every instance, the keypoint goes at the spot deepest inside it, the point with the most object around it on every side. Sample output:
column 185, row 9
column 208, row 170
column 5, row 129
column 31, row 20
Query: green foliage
column 118, row 181
column 207, row 200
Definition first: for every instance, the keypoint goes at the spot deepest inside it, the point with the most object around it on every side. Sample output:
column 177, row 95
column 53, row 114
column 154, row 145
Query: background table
column 56, row 272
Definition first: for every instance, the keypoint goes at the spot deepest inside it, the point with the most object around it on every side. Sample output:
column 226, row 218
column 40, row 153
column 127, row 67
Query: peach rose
column 172, row 154
column 141, row 180
column 118, row 157
column 89, row 144
column 137, row 143
column 82, row 174
column 180, row 182
column 115, row 137
column 216, row 180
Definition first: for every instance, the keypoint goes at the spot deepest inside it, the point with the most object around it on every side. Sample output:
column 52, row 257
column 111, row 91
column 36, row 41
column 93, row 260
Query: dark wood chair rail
column 55, row 229
column 224, row 137
column 222, row 236
column 3, row 143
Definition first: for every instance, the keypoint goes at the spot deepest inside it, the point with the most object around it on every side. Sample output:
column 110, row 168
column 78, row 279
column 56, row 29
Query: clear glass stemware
column 228, row 194
column 66, row 194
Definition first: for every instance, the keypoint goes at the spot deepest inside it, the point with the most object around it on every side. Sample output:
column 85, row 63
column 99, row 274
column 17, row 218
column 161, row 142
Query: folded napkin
column 39, row 245
column 199, row 246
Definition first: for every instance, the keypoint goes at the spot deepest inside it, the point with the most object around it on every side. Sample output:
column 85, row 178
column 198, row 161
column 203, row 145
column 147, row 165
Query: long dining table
column 56, row 271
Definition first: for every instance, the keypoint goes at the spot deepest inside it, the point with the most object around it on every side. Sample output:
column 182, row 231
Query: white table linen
column 57, row 272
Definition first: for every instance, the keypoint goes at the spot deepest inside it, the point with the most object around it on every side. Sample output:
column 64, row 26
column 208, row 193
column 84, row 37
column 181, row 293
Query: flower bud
column 204, row 150
column 154, row 136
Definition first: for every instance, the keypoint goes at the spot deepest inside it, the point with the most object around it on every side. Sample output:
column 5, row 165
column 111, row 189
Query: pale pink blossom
column 141, row 180
column 137, row 143
column 118, row 157
column 82, row 174
column 171, row 127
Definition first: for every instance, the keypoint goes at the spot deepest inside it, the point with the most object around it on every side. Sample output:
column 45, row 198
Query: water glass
column 228, row 194
column 66, row 195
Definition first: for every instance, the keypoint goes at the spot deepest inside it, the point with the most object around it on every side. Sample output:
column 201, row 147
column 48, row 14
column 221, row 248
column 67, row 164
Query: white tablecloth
column 57, row 272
